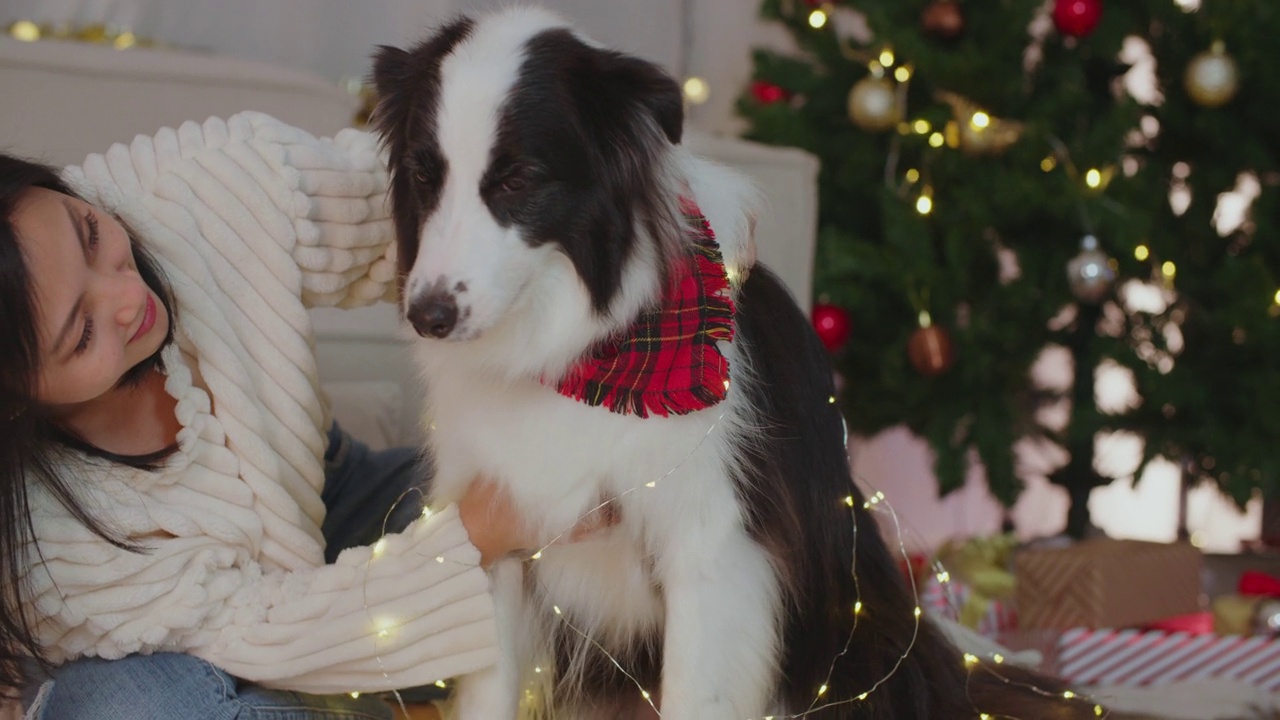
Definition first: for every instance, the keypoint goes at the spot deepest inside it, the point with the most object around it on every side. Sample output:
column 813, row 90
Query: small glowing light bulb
column 921, row 127
column 537, row 669
column 355, row 695
column 440, row 559
column 1068, row 695
column 440, row 684
column 937, row 140
column 924, row 204
column 970, row 659
column 980, row 120
column 817, row 18
column 1142, row 252
column 1093, row 178
column 1277, row 297
column 902, row 74
column 944, row 577
column 886, row 57
column 651, row 484
column 822, row 691
column 832, row 399
column 644, row 694
column 379, row 547
column 863, row 696
column 917, row 611
column 1049, row 163
column 696, row 90
column 913, row 175
column 556, row 608
column 1097, row 710
column 857, row 608
column 998, row 658
column 537, row 555
column 1168, row 269
column 25, row 30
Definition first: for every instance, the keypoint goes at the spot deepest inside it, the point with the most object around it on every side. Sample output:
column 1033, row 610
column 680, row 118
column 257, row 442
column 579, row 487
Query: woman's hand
column 497, row 529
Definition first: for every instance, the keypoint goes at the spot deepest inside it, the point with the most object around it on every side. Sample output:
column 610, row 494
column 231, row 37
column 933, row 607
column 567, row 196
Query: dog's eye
column 513, row 183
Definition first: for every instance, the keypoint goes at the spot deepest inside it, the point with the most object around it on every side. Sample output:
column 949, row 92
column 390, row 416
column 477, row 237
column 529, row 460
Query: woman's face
column 96, row 317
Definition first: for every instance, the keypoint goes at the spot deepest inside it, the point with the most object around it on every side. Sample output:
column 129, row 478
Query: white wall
column 334, row 38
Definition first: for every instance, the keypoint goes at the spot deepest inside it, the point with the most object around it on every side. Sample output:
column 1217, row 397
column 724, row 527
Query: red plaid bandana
column 667, row 362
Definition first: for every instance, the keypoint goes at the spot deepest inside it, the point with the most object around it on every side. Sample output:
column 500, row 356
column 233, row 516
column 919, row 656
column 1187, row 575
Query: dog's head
column 516, row 146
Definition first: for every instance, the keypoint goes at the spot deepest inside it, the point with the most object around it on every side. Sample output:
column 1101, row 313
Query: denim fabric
column 173, row 686
column 366, row 494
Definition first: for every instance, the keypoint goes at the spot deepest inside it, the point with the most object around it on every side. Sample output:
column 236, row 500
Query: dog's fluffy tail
column 855, row 644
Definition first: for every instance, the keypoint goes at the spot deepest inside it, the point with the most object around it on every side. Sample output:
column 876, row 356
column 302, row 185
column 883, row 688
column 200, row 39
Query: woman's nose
column 128, row 293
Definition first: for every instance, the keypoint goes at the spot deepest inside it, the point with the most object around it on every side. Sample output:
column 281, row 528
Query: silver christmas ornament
column 1090, row 274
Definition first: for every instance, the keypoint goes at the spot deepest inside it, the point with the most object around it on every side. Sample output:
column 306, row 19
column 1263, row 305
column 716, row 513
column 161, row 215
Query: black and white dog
column 576, row 328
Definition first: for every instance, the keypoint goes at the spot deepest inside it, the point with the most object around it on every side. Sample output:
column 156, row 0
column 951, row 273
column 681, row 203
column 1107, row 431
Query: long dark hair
column 32, row 446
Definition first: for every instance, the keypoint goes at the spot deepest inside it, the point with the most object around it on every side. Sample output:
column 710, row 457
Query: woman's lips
column 148, row 318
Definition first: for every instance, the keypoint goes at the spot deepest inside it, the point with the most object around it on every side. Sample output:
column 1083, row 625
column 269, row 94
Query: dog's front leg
column 721, row 640
column 494, row 693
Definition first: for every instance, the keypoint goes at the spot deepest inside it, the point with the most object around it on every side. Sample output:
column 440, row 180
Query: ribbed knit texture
column 252, row 221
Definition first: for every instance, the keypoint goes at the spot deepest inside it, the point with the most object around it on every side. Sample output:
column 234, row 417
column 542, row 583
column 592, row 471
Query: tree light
column 886, row 57
column 1142, row 252
column 817, row 18
column 902, row 74
column 1093, row 178
column 980, row 120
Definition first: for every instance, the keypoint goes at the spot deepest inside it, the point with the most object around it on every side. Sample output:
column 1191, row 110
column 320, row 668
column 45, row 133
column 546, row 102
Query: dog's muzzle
column 433, row 314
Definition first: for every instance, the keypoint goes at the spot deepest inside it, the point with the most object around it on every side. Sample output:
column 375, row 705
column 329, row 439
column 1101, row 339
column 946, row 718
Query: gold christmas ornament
column 1212, row 77
column 873, row 104
column 977, row 132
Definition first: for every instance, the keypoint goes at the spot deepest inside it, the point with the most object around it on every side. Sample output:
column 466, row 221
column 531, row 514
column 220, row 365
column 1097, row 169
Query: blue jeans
column 366, row 494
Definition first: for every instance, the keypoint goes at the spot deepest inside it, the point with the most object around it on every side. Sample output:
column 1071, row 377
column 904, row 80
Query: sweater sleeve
column 323, row 201
column 411, row 610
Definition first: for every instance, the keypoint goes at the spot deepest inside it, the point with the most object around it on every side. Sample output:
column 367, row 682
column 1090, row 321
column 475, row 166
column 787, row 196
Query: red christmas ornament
column 1076, row 17
column 832, row 324
column 767, row 93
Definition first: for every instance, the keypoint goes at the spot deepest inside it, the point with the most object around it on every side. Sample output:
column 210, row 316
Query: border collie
column 564, row 261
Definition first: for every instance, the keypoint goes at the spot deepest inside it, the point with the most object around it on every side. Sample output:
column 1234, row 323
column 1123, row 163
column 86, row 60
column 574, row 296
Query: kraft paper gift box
column 1106, row 583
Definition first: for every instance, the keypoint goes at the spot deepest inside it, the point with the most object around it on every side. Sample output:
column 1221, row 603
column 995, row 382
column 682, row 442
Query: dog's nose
column 433, row 314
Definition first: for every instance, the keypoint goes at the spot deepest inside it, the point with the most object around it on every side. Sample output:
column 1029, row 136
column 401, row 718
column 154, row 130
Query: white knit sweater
column 252, row 221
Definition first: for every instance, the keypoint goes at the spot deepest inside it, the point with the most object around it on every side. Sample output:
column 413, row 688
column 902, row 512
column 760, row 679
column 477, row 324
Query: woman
column 169, row 475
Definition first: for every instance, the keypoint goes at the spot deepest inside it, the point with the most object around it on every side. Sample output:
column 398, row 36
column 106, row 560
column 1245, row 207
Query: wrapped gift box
column 1137, row 658
column 1104, row 583
column 955, row 600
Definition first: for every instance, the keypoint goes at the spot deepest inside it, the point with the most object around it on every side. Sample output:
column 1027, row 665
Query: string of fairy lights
column 876, row 502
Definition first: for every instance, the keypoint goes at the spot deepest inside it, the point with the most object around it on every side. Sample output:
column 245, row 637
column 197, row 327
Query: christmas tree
column 1001, row 179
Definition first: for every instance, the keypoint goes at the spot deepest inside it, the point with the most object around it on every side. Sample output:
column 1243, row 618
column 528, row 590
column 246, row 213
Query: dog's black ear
column 651, row 86
column 390, row 68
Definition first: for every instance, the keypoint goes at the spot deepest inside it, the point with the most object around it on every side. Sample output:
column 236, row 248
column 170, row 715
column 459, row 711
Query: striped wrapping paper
column 1154, row 658
column 948, row 599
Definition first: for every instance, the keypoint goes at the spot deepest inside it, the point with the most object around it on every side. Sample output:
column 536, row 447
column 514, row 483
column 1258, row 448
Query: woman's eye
column 85, row 336
column 92, row 221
